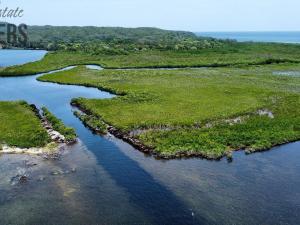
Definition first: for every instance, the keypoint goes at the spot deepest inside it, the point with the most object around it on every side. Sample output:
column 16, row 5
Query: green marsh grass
column 20, row 127
column 68, row 132
column 174, row 106
column 229, row 55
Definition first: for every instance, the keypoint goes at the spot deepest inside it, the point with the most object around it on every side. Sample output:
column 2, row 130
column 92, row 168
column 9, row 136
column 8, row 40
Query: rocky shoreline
column 129, row 138
column 137, row 144
column 52, row 150
column 53, row 134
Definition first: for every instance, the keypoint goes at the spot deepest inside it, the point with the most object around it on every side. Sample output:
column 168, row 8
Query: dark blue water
column 116, row 184
column 283, row 37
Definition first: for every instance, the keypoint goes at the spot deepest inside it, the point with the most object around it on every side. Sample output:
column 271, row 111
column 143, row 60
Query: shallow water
column 17, row 57
column 94, row 67
column 102, row 180
column 287, row 73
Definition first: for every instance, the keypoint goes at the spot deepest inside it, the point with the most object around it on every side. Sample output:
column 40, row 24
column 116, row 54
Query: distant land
column 278, row 36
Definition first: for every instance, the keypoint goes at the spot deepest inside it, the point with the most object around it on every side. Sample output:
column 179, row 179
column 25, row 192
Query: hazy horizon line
column 193, row 31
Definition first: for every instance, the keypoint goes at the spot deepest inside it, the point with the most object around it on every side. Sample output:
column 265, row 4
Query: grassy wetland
column 187, row 112
column 178, row 94
column 19, row 126
column 231, row 54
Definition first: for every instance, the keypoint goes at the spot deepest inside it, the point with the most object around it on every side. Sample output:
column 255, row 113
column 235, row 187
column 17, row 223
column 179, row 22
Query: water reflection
column 115, row 184
column 146, row 196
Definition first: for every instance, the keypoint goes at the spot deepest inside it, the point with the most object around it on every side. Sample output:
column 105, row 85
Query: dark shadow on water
column 158, row 203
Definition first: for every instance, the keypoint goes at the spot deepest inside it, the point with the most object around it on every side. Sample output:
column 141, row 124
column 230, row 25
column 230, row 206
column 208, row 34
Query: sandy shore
column 48, row 149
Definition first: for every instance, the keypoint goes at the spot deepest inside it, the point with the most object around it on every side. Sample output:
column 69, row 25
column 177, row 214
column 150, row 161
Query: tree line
column 114, row 40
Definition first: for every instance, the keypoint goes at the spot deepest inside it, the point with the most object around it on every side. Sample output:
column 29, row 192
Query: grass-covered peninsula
column 23, row 129
column 207, row 112
column 19, row 126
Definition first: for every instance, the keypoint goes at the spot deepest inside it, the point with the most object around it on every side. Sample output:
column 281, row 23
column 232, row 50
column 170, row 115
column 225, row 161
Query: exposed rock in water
column 41, row 178
column 54, row 135
column 229, row 156
column 30, row 164
column 52, row 156
column 57, row 137
column 57, row 172
column 21, row 177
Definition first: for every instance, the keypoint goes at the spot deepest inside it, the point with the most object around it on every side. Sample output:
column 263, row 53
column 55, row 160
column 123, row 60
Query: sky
column 189, row 15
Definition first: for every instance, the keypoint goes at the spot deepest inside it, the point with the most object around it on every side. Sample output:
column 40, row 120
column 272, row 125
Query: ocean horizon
column 277, row 36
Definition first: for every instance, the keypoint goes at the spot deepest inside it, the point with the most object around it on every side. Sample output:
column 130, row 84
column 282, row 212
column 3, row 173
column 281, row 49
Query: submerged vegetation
column 207, row 112
column 19, row 126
